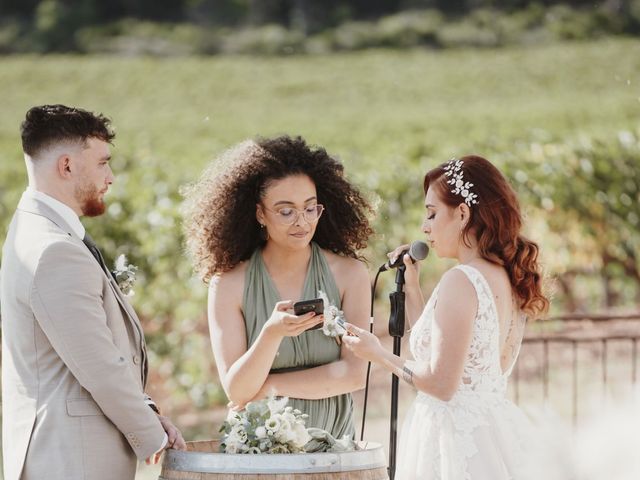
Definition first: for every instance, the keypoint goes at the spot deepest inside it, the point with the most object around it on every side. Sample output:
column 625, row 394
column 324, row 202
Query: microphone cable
column 366, row 388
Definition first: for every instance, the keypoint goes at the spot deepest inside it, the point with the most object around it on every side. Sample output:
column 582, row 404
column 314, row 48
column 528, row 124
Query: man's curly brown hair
column 221, row 226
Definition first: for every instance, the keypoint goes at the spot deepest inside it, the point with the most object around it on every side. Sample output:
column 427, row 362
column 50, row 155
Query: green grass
column 369, row 107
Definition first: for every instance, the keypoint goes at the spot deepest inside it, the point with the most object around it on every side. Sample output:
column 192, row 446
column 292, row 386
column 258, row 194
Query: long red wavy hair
column 496, row 222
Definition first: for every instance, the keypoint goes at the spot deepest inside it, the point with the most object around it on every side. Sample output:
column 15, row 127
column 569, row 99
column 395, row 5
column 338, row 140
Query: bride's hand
column 284, row 324
column 412, row 271
column 362, row 343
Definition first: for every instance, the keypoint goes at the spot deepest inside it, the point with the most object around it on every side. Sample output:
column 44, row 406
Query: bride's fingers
column 407, row 260
column 353, row 330
column 393, row 255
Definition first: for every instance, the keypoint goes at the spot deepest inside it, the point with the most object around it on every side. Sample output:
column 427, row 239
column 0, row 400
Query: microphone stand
column 396, row 330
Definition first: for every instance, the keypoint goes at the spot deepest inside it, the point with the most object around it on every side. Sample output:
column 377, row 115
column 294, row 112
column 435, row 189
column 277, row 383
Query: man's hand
column 175, row 437
column 174, row 440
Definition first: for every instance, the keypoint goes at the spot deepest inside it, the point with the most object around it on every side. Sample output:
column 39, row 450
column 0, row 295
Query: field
column 371, row 108
column 389, row 115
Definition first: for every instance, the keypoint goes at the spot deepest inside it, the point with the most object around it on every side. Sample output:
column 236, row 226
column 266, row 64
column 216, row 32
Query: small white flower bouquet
column 270, row 426
column 125, row 275
column 333, row 318
column 265, row 426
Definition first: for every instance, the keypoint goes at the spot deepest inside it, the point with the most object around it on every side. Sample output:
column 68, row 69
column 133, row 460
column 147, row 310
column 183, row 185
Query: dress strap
column 512, row 332
column 480, row 284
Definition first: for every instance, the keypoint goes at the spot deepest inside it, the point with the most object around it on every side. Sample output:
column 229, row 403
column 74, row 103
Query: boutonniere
column 125, row 275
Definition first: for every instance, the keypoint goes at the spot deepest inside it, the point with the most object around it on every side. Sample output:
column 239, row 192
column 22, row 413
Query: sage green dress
column 307, row 350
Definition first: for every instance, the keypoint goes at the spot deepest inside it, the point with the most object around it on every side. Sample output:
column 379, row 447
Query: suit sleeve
column 66, row 298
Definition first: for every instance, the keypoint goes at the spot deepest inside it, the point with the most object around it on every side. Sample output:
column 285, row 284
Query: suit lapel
column 134, row 320
column 34, row 206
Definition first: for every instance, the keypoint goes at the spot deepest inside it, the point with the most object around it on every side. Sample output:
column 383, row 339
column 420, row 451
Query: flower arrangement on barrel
column 271, row 426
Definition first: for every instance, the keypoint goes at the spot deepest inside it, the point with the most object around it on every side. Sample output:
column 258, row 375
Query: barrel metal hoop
column 275, row 463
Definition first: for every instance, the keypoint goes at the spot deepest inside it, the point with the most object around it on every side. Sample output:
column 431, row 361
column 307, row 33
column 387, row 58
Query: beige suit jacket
column 73, row 359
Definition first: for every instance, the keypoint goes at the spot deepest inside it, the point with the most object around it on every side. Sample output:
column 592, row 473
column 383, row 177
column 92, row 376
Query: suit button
column 136, row 359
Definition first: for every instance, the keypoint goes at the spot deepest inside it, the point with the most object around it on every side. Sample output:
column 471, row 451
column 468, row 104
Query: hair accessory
column 453, row 169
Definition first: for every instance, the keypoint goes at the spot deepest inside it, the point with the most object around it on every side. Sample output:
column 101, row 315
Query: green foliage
column 266, row 40
column 588, row 190
column 62, row 27
column 541, row 114
column 134, row 37
column 54, row 24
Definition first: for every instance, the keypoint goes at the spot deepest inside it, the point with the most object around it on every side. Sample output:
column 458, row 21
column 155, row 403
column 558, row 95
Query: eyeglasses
column 290, row 215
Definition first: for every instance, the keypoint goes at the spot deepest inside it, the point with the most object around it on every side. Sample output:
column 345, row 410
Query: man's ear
column 64, row 166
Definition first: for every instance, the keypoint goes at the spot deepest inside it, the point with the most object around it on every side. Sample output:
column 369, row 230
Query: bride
column 467, row 337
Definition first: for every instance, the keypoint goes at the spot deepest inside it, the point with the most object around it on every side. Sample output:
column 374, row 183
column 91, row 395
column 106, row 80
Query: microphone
column 417, row 251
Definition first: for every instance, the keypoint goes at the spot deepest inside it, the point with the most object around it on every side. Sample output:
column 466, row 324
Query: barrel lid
column 371, row 456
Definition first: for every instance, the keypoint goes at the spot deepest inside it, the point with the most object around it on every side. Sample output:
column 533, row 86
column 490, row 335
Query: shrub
column 267, row 40
column 132, row 37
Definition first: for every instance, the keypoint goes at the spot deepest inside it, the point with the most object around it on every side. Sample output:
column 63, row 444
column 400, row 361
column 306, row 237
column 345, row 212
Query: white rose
column 285, row 434
column 239, row 432
column 301, row 435
column 289, row 417
column 272, row 424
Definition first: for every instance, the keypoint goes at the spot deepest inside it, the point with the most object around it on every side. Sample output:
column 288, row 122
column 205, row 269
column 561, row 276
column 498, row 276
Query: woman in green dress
column 272, row 222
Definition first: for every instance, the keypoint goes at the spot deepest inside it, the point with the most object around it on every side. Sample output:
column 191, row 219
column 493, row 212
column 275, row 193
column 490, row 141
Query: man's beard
column 90, row 202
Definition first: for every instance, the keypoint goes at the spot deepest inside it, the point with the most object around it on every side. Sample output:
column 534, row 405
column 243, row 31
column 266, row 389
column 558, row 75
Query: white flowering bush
column 265, row 426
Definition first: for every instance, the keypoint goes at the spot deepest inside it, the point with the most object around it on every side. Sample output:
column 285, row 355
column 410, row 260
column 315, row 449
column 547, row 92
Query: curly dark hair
column 221, row 226
column 45, row 125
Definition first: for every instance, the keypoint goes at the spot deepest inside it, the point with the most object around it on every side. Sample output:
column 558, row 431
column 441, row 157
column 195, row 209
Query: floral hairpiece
column 453, row 169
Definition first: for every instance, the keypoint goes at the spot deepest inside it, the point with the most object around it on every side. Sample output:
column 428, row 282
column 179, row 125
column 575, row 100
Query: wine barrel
column 202, row 461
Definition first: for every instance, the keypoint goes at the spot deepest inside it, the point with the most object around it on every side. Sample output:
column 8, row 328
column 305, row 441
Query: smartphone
column 305, row 306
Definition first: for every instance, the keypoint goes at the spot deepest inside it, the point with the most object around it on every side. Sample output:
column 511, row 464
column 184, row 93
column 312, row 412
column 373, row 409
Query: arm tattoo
column 407, row 375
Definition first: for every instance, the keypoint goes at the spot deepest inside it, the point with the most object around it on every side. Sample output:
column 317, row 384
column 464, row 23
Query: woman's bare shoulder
column 346, row 270
column 230, row 282
column 342, row 264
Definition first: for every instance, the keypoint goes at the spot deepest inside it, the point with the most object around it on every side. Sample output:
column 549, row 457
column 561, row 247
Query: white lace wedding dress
column 479, row 434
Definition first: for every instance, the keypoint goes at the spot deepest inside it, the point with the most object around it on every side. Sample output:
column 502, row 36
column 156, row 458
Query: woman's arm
column 347, row 374
column 450, row 339
column 243, row 371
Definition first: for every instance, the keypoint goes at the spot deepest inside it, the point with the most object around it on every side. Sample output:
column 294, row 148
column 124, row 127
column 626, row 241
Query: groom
column 74, row 364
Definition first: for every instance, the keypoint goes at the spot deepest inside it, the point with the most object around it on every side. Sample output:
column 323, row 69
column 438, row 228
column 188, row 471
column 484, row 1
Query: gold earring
column 264, row 233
